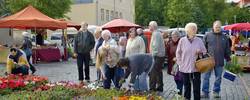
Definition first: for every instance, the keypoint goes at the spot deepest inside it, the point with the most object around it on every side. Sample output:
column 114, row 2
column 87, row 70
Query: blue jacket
column 138, row 64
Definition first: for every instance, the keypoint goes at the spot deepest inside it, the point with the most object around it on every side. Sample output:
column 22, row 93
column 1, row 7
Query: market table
column 46, row 54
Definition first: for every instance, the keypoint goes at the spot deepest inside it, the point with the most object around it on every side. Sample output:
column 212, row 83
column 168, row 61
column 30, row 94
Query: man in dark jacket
column 217, row 45
column 27, row 48
column 139, row 66
column 83, row 44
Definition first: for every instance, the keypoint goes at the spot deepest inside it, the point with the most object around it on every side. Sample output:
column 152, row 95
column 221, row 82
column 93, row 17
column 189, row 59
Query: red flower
column 3, row 86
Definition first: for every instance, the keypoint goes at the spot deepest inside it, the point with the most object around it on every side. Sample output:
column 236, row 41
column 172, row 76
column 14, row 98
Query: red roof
column 31, row 18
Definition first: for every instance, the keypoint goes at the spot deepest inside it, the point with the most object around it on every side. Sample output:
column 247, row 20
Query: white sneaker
column 216, row 95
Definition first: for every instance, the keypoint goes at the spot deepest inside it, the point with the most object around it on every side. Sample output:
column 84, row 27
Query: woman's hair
column 190, row 26
column 175, row 33
column 106, row 32
column 133, row 30
column 123, row 62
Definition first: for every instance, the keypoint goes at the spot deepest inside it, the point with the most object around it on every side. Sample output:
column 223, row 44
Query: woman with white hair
column 107, row 58
column 135, row 44
column 188, row 49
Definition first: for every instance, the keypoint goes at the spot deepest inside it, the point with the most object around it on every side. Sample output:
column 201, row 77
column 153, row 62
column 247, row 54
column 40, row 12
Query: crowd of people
column 117, row 60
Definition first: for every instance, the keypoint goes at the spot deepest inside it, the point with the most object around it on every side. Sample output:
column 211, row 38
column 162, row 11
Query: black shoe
column 159, row 90
column 33, row 72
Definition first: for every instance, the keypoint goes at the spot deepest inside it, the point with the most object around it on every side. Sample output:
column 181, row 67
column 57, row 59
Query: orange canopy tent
column 29, row 18
column 119, row 25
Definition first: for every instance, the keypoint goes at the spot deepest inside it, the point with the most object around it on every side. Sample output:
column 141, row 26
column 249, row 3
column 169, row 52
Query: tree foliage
column 147, row 10
column 52, row 8
column 176, row 13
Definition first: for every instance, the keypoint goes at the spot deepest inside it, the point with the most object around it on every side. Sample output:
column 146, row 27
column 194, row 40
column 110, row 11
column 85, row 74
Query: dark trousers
column 179, row 85
column 112, row 74
column 195, row 79
column 32, row 68
column 24, row 70
column 156, row 75
column 83, row 58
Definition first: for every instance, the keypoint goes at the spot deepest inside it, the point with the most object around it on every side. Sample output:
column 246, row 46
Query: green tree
column 3, row 9
column 148, row 10
column 178, row 13
column 52, row 8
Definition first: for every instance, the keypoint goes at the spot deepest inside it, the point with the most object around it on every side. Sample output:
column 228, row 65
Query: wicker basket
column 205, row 64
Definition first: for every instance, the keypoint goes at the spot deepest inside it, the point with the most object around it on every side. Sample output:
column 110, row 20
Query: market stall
column 31, row 18
column 240, row 45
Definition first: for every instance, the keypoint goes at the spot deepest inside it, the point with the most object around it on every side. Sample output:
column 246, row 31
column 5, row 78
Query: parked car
column 201, row 36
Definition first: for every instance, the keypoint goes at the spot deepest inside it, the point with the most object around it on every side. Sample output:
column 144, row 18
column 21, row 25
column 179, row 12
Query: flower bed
column 18, row 87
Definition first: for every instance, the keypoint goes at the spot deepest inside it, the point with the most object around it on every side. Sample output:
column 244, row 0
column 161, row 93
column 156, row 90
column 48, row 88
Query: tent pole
column 64, row 42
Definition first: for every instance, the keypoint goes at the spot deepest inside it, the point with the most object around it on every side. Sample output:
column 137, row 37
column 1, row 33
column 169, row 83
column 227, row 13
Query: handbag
column 175, row 69
column 204, row 63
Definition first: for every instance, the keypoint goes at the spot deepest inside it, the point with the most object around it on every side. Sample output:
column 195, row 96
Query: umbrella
column 119, row 25
column 238, row 27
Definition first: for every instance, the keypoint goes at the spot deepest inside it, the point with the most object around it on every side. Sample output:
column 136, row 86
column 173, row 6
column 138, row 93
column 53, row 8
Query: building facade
column 99, row 12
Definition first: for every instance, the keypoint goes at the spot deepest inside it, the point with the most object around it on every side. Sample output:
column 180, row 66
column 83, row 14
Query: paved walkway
column 67, row 71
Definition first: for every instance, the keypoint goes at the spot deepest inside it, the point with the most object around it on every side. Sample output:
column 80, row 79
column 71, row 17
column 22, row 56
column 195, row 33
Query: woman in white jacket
column 107, row 58
column 135, row 44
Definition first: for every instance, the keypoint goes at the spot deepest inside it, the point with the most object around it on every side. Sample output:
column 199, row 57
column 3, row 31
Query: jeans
column 192, row 79
column 83, row 58
column 32, row 68
column 141, row 83
column 218, row 73
column 112, row 74
column 156, row 75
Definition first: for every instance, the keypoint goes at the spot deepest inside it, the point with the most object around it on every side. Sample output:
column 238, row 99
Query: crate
column 243, row 61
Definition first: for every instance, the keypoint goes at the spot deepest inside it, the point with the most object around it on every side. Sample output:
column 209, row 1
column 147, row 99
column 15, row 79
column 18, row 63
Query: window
column 120, row 14
column 112, row 15
column 102, row 14
column 116, row 15
column 107, row 15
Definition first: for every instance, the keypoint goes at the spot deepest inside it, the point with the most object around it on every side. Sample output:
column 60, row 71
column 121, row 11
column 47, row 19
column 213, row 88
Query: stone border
column 245, row 84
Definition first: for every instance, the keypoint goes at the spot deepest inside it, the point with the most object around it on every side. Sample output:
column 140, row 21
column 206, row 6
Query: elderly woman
column 107, row 58
column 188, row 49
column 171, row 47
column 135, row 44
